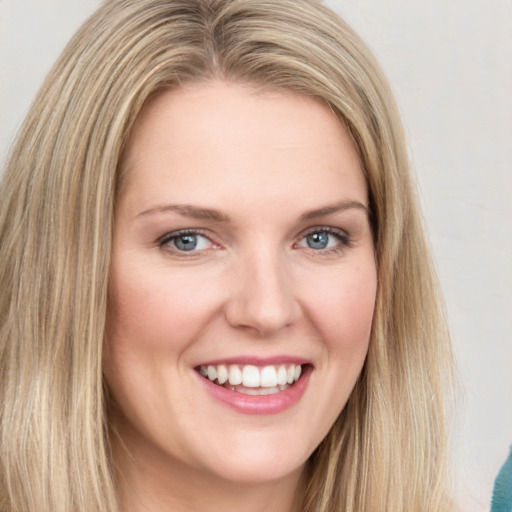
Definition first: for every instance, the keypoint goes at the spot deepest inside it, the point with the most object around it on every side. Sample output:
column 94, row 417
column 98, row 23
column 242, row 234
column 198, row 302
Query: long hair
column 387, row 449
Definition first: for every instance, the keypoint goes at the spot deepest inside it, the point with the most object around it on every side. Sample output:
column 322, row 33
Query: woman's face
column 242, row 256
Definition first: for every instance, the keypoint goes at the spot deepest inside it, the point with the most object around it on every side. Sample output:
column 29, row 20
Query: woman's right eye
column 186, row 241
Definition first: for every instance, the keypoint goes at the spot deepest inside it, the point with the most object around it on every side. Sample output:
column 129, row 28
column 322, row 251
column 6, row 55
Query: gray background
column 450, row 64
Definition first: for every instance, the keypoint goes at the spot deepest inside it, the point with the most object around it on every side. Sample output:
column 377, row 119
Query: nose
column 262, row 298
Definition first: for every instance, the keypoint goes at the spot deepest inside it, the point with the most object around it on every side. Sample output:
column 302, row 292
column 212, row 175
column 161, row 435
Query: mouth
column 254, row 380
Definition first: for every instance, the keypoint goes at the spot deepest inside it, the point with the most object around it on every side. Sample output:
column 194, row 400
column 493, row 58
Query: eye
column 318, row 240
column 324, row 239
column 186, row 241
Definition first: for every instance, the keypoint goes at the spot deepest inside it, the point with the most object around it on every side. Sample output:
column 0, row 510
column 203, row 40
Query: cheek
column 344, row 308
column 150, row 312
column 139, row 319
column 341, row 308
column 153, row 318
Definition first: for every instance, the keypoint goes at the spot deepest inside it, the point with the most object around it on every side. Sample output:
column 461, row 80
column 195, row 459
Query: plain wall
column 450, row 65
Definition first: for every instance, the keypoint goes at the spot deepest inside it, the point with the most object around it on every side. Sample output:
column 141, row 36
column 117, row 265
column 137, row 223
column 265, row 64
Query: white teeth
column 281, row 376
column 290, row 374
column 268, row 377
column 222, row 374
column 235, row 375
column 252, row 391
column 266, row 380
column 251, row 376
column 259, row 391
column 212, row 373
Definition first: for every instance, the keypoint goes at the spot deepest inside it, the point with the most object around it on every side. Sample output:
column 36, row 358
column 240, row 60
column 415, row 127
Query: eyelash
column 165, row 242
column 344, row 240
column 342, row 237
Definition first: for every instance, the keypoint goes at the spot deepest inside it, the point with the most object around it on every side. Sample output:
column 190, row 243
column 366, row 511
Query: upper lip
column 256, row 360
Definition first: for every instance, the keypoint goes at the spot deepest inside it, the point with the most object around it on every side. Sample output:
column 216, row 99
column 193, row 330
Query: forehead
column 207, row 137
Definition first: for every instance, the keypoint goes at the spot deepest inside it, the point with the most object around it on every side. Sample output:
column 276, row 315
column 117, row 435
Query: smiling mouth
column 253, row 380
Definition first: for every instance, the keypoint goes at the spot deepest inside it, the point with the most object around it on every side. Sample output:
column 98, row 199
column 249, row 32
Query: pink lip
column 263, row 404
column 257, row 361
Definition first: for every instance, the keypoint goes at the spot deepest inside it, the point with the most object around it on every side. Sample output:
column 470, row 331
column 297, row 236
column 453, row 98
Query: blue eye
column 325, row 239
column 317, row 240
column 186, row 242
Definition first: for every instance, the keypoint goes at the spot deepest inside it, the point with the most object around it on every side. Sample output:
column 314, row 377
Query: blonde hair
column 387, row 450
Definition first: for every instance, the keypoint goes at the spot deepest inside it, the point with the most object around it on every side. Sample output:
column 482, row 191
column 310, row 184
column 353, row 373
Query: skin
column 254, row 286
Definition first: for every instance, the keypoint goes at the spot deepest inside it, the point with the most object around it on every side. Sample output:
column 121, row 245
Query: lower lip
column 260, row 404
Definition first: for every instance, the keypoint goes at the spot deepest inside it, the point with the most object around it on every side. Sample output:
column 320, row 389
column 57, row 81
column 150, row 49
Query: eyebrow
column 334, row 208
column 196, row 212
column 187, row 210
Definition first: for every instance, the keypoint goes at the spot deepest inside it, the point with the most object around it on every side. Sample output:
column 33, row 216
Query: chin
column 260, row 472
column 262, row 461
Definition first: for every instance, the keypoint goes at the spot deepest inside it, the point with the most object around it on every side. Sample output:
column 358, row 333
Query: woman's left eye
column 186, row 241
column 324, row 239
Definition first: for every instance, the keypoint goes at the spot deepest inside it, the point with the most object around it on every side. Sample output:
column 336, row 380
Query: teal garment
column 502, row 494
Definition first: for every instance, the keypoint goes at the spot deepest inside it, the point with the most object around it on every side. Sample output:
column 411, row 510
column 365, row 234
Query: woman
column 216, row 289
